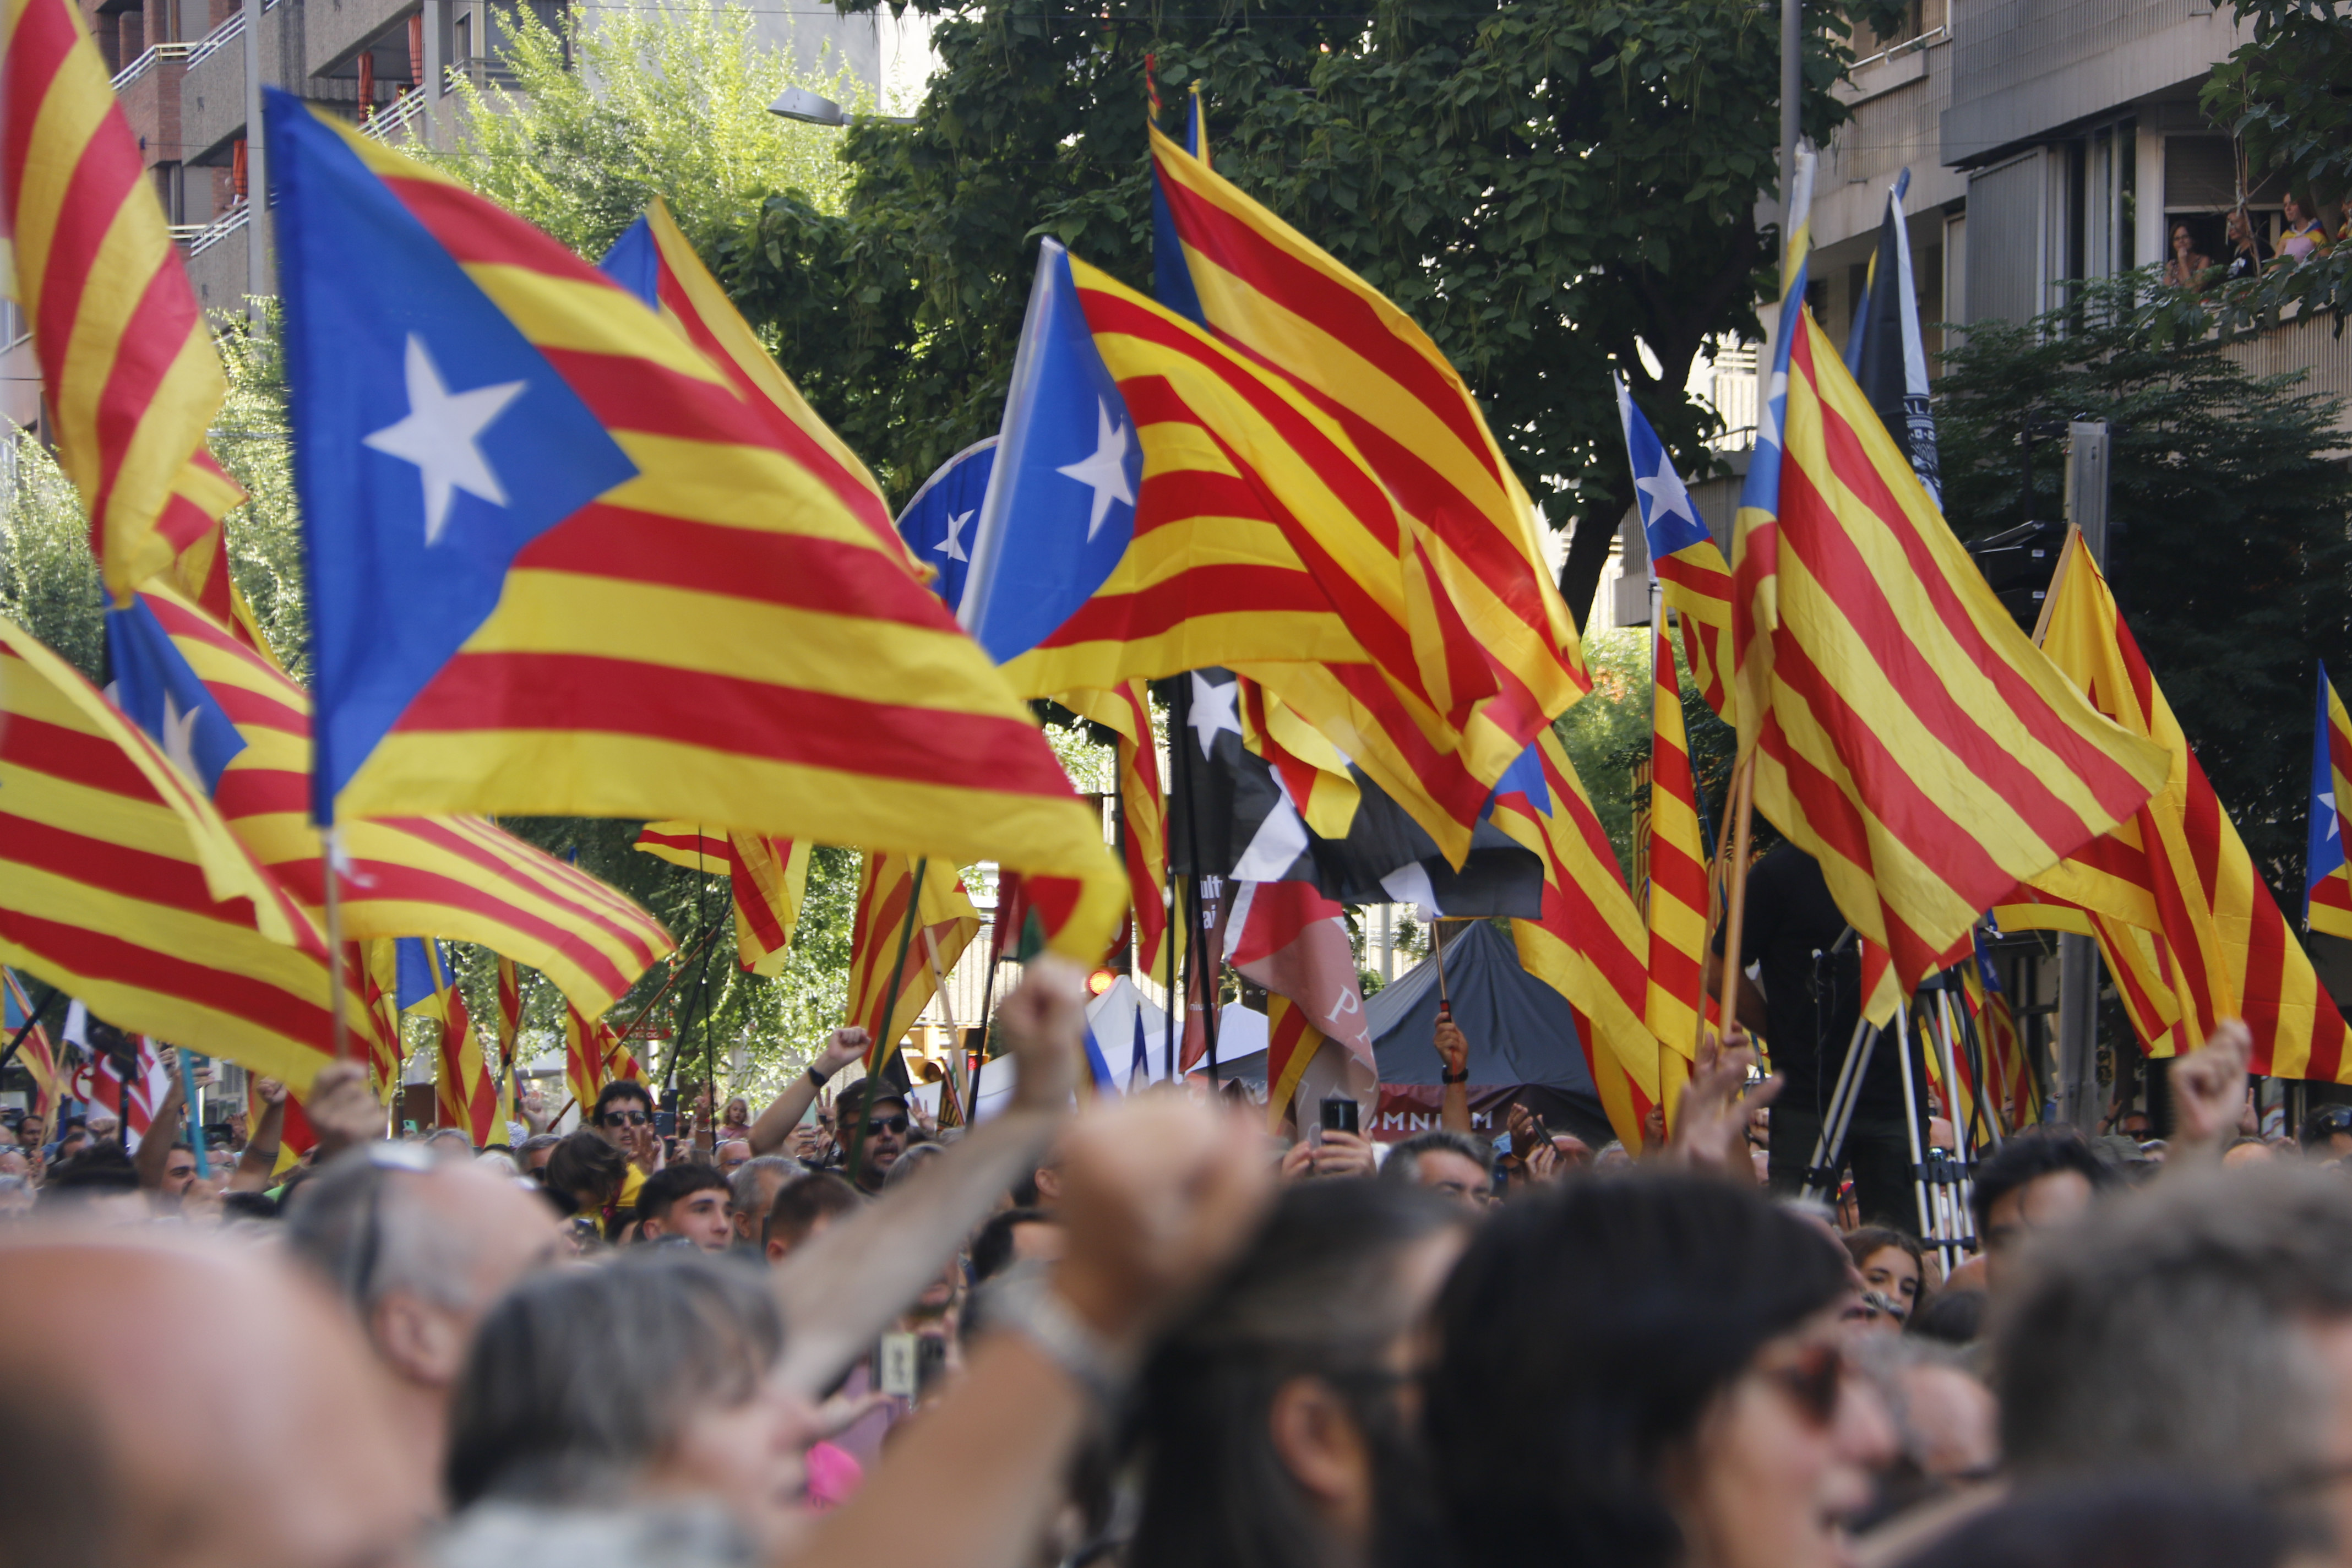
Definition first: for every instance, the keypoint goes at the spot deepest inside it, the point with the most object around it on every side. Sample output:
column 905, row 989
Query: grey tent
column 1522, row 1036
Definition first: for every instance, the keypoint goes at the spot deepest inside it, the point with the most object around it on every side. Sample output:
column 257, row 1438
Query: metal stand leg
column 1829, row 1144
column 1911, row 1126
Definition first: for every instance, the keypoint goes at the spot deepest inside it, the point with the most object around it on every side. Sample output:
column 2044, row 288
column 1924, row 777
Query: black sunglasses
column 626, row 1119
column 886, row 1124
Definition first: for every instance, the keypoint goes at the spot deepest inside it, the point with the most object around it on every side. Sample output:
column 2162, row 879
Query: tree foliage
column 2283, row 93
column 669, row 102
column 2229, row 526
column 1539, row 183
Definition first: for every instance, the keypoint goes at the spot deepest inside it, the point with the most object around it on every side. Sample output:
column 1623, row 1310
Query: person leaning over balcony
column 2304, row 235
column 2187, row 264
column 2249, row 252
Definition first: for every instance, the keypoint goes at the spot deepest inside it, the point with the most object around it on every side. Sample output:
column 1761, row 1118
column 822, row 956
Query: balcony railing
column 155, row 54
column 227, row 33
column 1932, row 36
column 209, row 235
column 406, row 113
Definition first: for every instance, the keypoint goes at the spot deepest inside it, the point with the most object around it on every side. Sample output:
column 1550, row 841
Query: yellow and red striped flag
column 508, row 1038
column 457, row 876
column 945, row 924
column 767, row 879
column 128, row 368
column 587, row 1047
column 464, row 1095
column 724, row 636
column 1694, row 581
column 1142, row 816
column 1266, row 543
column 1677, row 893
column 2327, row 874
column 2016, row 1093
column 1590, row 945
column 121, row 884
column 1498, row 646
column 33, row 1050
column 1902, row 730
column 2179, row 869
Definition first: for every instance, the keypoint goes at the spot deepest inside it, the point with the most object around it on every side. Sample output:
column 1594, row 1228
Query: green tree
column 2228, row 522
column 1540, row 183
column 669, row 102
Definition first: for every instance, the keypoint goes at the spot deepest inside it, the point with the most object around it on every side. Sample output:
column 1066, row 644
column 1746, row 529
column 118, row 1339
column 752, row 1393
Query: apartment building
column 182, row 71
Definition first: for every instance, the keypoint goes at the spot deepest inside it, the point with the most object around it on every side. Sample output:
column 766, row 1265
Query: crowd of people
column 1143, row 1334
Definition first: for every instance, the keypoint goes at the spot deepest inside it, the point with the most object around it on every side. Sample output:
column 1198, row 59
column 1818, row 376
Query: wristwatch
column 815, row 1077
column 1031, row 1309
column 1462, row 1077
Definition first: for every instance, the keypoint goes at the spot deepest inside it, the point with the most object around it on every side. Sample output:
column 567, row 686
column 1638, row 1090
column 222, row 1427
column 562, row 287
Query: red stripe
column 102, row 956
column 626, row 391
column 1195, row 592
column 151, row 340
column 478, row 231
column 135, row 875
column 581, row 692
column 38, row 46
column 794, row 571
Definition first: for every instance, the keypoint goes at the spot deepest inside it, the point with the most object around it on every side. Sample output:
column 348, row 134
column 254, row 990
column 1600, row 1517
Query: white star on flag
column 952, row 546
column 1665, row 492
column 2334, row 819
column 441, row 436
column 180, row 737
column 1106, row 470
column 1213, row 710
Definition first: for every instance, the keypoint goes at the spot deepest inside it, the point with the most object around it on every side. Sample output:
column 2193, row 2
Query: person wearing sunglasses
column 624, row 1117
column 1648, row 1371
column 888, row 1124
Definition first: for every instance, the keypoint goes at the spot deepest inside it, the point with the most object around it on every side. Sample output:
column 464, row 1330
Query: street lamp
column 814, row 109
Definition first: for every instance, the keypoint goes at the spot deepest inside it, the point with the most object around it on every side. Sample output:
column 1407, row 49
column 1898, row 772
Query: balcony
column 2307, row 343
column 155, row 55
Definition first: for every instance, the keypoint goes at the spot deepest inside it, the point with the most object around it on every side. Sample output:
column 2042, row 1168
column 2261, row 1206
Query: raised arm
column 840, row 1291
column 1158, row 1193
column 776, row 1123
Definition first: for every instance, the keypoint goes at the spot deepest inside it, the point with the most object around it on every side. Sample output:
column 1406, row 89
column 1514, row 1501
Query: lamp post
column 816, row 108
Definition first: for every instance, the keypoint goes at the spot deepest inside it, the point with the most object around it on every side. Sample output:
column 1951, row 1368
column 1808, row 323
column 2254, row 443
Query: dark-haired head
column 1312, row 1331
column 588, row 1384
column 2142, row 1522
column 1588, row 1335
column 2035, row 1181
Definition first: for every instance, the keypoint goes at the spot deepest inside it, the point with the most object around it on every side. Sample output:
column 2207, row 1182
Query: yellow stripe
column 754, row 640
column 574, row 313
column 727, row 325
column 42, row 686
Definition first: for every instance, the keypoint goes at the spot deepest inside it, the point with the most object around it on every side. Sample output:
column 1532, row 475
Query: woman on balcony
column 2187, row 267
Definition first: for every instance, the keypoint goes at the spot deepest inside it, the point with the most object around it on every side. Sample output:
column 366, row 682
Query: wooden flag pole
column 1437, row 951
column 1743, row 789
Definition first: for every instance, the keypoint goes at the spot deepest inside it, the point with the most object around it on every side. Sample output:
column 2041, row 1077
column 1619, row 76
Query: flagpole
column 330, row 844
column 1743, row 789
column 1170, row 899
column 987, row 1003
column 874, row 1058
column 1195, row 938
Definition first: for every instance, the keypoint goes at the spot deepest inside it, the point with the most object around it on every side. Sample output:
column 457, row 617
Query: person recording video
column 1810, row 963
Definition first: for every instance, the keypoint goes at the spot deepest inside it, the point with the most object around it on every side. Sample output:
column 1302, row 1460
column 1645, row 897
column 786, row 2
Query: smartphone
column 895, row 1366
column 1339, row 1114
column 666, row 1123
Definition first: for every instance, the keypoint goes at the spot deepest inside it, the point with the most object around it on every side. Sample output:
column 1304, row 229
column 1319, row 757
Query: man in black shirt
column 1810, row 967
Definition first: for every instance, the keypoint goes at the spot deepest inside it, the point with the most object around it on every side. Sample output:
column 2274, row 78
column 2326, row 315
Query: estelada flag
column 179, row 669
column 1293, row 940
column 1694, row 580
column 127, row 369
column 562, row 564
column 122, row 885
column 767, row 879
column 1264, row 541
column 2327, row 877
column 1902, row 730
